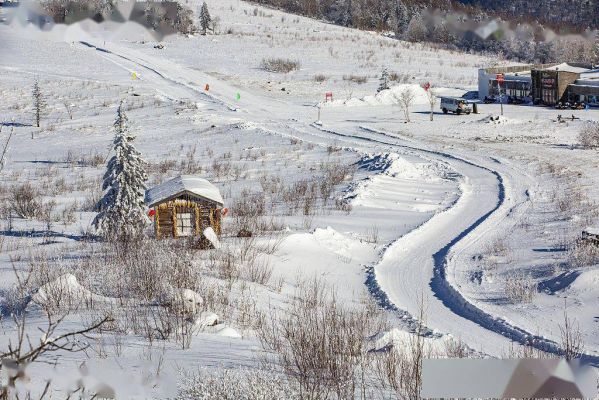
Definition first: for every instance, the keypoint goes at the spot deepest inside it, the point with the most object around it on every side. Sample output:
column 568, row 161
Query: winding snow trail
column 416, row 268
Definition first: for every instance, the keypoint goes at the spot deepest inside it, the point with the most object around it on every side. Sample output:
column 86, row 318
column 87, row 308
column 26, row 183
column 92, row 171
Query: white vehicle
column 456, row 105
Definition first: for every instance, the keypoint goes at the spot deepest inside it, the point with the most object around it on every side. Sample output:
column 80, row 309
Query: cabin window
column 184, row 224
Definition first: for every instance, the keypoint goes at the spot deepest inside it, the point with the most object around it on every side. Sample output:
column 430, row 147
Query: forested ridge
column 520, row 29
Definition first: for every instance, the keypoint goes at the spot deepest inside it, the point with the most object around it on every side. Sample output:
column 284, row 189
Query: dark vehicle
column 489, row 99
column 470, row 95
column 515, row 100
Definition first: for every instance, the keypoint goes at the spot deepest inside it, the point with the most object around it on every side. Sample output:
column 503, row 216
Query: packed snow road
column 416, row 269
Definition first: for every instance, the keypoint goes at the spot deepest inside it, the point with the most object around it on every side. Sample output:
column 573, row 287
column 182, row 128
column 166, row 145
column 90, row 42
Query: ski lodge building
column 547, row 84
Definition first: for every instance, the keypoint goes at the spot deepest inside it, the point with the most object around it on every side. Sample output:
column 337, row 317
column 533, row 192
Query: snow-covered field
column 474, row 218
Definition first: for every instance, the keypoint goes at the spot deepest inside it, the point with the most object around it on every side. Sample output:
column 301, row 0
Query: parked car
column 470, row 95
column 489, row 99
column 515, row 100
column 456, row 105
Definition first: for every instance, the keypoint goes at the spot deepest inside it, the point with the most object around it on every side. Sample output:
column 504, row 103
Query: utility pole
column 500, row 80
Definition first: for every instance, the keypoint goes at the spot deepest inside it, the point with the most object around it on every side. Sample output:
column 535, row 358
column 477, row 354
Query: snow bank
column 401, row 338
column 64, row 290
column 206, row 318
column 391, row 96
column 394, row 165
column 586, row 282
column 229, row 332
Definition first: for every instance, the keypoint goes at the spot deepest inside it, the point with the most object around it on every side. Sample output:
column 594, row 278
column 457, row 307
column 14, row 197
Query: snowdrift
column 394, row 165
column 65, row 289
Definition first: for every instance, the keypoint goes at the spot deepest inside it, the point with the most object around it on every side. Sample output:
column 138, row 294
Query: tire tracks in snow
column 440, row 285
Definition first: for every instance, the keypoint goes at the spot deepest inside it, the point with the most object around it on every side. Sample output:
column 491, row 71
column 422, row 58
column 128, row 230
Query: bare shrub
column 405, row 100
column 320, row 344
column 23, row 348
column 359, row 79
column 248, row 208
column 520, row 288
column 498, row 246
column 399, row 367
column 589, row 135
column 583, row 254
column 572, row 343
column 225, row 384
column 281, row 65
column 372, row 235
column 24, row 200
column 320, row 78
column 456, row 348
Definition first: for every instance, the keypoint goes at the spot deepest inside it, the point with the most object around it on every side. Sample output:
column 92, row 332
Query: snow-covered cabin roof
column 567, row 67
column 592, row 230
column 181, row 184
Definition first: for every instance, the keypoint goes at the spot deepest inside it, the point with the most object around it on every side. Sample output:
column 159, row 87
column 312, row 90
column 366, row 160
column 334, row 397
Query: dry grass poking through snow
column 281, row 65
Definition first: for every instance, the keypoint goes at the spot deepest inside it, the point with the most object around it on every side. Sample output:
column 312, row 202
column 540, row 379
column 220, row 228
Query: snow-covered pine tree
column 384, row 81
column 121, row 211
column 401, row 18
column 205, row 18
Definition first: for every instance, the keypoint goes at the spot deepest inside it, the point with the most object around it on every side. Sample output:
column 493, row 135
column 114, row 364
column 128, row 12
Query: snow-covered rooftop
column 567, row 67
column 180, row 184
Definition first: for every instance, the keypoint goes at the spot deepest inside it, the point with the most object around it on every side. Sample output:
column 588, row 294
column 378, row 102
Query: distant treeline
column 522, row 29
column 164, row 16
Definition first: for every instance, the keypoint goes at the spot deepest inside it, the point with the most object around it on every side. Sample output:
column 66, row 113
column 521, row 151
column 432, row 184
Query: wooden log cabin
column 184, row 207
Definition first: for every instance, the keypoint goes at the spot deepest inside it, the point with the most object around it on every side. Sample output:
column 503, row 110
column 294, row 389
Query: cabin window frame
column 183, row 229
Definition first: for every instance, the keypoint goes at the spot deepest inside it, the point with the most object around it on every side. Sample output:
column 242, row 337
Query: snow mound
column 185, row 300
column 64, row 289
column 391, row 96
column 228, row 332
column 206, row 318
column 587, row 281
column 338, row 243
column 211, row 236
column 393, row 165
column 400, row 338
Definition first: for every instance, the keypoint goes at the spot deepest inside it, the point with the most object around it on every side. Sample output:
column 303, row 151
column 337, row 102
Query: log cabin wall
column 204, row 214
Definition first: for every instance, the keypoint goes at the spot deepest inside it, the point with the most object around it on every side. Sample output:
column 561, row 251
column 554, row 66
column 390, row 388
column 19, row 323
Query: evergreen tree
column 205, row 18
column 384, row 81
column 401, row 18
column 417, row 31
column 121, row 212
column 39, row 104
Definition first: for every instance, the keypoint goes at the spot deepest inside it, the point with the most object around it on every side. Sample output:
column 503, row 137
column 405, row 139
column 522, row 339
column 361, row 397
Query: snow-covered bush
column 281, row 65
column 589, row 135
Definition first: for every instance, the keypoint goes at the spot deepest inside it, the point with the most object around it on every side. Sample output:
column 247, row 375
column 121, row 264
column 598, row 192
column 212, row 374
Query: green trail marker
column 238, row 96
